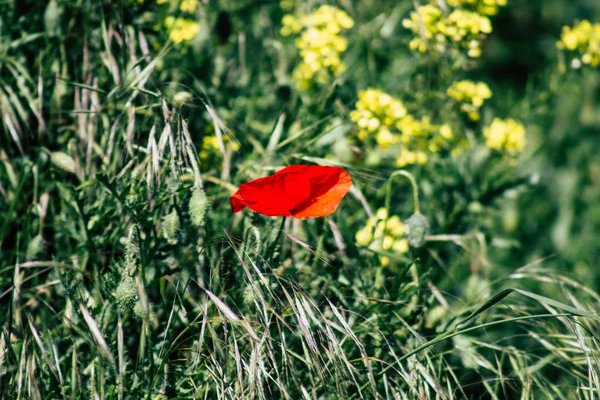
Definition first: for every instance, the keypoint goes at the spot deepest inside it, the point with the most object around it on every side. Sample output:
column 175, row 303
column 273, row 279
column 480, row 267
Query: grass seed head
column 170, row 227
column 126, row 294
column 198, row 207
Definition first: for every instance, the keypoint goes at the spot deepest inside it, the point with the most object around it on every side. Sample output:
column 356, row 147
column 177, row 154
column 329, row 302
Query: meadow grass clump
column 442, row 245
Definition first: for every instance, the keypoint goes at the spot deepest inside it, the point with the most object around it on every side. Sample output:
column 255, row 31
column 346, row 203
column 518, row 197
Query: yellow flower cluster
column 507, row 136
column 384, row 118
column 584, row 39
column 182, row 29
column 419, row 139
column 376, row 234
column 434, row 32
column 320, row 43
column 375, row 113
column 484, row 7
column 471, row 95
column 210, row 147
column 188, row 6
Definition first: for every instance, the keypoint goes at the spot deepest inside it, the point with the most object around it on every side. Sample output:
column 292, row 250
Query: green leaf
column 498, row 297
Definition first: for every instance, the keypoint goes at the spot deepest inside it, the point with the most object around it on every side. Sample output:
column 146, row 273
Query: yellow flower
column 320, row 44
column 434, row 32
column 384, row 118
column 364, row 236
column 582, row 39
column 484, row 7
column 377, row 112
column 424, row 24
column 181, row 29
column 506, row 136
column 188, row 6
column 210, row 146
column 446, row 132
column 376, row 233
column 471, row 94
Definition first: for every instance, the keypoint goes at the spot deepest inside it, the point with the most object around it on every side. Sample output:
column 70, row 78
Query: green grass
column 124, row 275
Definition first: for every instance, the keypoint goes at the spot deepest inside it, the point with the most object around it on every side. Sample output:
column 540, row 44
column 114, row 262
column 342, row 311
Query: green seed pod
column 418, row 228
column 126, row 294
column 170, row 227
column 63, row 161
column 35, row 247
column 198, row 207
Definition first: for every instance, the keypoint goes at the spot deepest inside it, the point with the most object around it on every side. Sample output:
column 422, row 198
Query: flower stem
column 321, row 243
column 273, row 246
column 388, row 195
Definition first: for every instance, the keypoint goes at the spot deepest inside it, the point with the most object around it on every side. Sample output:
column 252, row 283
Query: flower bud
column 418, row 228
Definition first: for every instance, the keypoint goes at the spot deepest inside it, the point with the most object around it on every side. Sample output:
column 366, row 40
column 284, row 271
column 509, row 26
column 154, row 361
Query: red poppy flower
column 300, row 191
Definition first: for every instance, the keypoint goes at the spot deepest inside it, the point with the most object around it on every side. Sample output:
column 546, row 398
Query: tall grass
column 124, row 274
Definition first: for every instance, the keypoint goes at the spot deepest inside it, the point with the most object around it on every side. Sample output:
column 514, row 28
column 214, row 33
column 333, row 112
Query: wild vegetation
column 462, row 263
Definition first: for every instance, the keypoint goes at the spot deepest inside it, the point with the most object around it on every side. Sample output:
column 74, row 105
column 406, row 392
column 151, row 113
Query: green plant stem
column 321, row 243
column 273, row 245
column 388, row 195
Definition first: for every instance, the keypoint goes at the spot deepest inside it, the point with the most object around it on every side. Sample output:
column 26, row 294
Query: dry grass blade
column 99, row 340
column 229, row 314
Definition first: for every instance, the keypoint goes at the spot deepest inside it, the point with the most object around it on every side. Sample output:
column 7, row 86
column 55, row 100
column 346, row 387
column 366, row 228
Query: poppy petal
column 328, row 186
column 274, row 195
column 300, row 191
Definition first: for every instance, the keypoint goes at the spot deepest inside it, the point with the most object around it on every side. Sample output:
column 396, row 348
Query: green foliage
column 127, row 125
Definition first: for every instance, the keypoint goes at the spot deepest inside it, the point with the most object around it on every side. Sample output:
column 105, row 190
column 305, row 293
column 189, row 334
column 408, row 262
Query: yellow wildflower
column 188, row 6
column 377, row 234
column 181, row 29
column 376, row 112
column 420, row 138
column 432, row 31
column 471, row 95
column 211, row 148
column 424, row 25
column 484, row 7
column 384, row 118
column 507, row 136
column 584, row 40
column 320, row 43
